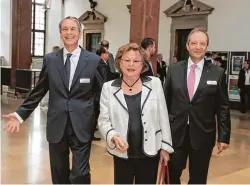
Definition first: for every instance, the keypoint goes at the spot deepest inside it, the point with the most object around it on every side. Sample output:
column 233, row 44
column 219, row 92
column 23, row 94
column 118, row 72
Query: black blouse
column 134, row 126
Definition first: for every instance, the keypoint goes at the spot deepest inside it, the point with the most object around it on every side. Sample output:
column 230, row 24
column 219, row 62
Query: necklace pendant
column 130, row 89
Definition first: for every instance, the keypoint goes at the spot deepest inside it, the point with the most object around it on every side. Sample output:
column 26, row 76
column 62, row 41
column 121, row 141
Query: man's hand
column 221, row 147
column 164, row 157
column 13, row 123
column 121, row 145
column 239, row 90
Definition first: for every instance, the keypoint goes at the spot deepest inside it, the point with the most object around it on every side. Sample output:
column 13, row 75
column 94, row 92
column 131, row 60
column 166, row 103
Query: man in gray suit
column 73, row 77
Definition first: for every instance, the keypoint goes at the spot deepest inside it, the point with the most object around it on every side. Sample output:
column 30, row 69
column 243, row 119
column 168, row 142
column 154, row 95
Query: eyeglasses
column 128, row 61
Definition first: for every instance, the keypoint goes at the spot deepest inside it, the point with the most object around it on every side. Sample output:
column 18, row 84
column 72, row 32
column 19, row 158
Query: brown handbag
column 163, row 174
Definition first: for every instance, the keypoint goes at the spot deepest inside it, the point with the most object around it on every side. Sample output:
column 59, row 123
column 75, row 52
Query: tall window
column 38, row 28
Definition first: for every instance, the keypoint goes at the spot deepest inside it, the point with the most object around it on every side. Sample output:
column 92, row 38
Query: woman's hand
column 164, row 157
column 121, row 145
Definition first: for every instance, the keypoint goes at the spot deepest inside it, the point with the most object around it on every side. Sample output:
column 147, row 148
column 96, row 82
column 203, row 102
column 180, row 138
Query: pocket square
column 209, row 82
column 84, row 80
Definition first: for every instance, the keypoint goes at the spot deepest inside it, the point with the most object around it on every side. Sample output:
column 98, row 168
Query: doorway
column 93, row 41
column 181, row 51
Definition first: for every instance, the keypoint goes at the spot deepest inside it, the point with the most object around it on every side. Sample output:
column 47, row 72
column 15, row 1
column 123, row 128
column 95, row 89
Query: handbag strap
column 167, row 175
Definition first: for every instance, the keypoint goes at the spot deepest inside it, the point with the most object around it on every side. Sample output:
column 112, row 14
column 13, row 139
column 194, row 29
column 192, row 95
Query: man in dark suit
column 196, row 93
column 148, row 44
column 161, row 68
column 73, row 77
column 111, row 60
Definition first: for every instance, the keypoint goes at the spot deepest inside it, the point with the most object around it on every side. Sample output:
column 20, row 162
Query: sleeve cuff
column 167, row 147
column 109, row 137
column 18, row 117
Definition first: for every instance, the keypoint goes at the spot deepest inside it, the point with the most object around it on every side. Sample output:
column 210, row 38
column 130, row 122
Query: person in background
column 148, row 44
column 244, row 86
column 173, row 60
column 134, row 120
column 161, row 68
column 111, row 61
column 55, row 48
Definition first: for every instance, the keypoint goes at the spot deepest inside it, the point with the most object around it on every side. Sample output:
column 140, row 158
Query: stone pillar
column 21, row 36
column 144, row 21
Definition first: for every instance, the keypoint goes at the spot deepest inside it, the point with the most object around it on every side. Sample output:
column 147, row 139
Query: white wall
column 117, row 27
column 228, row 26
column 5, row 27
column 164, row 29
column 54, row 15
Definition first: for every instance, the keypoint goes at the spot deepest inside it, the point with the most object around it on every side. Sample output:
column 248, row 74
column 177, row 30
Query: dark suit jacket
column 149, row 72
column 208, row 101
column 161, row 70
column 78, row 103
column 242, row 79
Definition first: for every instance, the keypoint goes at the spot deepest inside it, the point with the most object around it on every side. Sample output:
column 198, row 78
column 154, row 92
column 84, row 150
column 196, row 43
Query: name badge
column 209, row 82
column 84, row 80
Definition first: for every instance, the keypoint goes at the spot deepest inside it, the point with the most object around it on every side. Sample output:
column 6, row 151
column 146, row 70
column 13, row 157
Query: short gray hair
column 79, row 26
column 195, row 30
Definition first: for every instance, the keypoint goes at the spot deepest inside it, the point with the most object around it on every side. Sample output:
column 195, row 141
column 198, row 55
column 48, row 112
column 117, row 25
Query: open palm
column 12, row 124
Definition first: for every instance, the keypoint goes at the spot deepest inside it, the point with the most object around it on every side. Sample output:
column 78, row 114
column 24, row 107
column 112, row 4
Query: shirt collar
column 76, row 52
column 200, row 64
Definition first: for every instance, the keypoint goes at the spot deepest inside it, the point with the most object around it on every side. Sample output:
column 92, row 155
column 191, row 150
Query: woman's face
column 131, row 63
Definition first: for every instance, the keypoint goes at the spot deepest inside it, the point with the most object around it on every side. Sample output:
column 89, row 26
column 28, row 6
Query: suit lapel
column 145, row 94
column 60, row 67
column 120, row 98
column 185, row 65
column 80, row 67
column 204, row 77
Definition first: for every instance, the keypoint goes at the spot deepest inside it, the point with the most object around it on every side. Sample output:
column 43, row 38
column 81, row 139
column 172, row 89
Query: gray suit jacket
column 78, row 103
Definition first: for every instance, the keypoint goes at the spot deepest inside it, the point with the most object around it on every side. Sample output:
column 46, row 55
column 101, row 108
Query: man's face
column 69, row 33
column 197, row 45
column 152, row 49
column 159, row 57
column 105, row 56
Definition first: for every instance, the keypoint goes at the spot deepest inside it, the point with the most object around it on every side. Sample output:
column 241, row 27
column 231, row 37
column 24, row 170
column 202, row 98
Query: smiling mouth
column 130, row 70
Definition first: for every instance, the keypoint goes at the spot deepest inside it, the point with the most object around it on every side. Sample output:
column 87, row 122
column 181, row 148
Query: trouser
column 198, row 162
column 136, row 170
column 245, row 98
column 59, row 159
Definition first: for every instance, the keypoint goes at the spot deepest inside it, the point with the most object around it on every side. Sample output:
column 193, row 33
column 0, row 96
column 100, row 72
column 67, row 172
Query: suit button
column 145, row 139
column 142, row 114
column 144, row 123
column 146, row 131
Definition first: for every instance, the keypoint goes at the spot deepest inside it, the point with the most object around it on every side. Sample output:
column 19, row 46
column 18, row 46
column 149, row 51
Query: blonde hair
column 129, row 47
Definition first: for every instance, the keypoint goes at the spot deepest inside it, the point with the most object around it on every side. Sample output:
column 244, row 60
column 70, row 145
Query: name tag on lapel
column 84, row 80
column 209, row 82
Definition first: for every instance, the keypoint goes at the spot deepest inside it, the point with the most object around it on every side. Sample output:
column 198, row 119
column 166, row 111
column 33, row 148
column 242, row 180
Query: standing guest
column 244, row 86
column 148, row 44
column 73, row 77
column 134, row 120
column 196, row 93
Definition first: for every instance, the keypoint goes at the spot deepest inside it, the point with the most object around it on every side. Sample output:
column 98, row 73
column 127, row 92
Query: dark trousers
column 59, row 159
column 198, row 162
column 245, row 98
column 135, row 170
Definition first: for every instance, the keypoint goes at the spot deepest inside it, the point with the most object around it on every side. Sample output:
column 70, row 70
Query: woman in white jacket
column 134, row 120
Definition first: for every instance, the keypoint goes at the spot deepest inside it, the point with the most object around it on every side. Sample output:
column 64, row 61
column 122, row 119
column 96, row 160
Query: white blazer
column 114, row 117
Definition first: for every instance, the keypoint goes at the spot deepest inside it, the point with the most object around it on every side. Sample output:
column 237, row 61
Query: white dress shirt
column 198, row 72
column 73, row 61
column 73, row 64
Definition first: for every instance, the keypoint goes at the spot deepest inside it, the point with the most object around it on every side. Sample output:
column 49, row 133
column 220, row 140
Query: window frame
column 34, row 30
